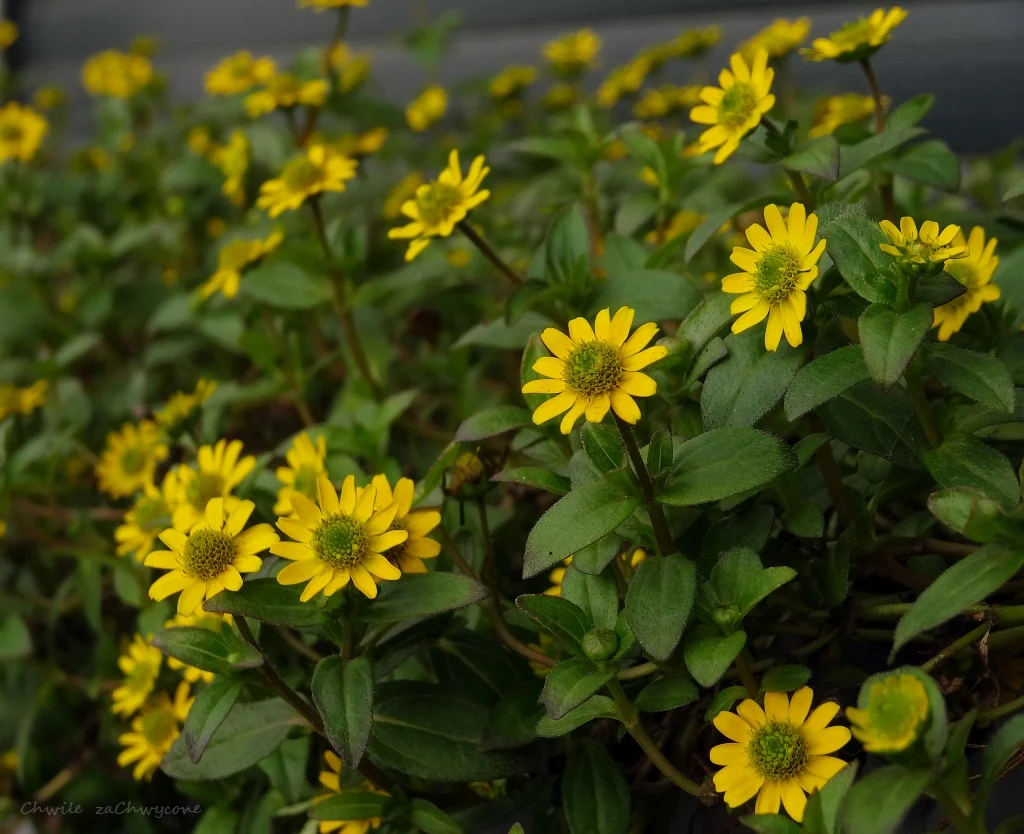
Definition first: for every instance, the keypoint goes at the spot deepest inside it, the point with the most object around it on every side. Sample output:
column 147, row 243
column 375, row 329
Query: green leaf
column 501, row 334
column 876, row 422
column 1014, row 191
column 819, row 157
column 423, row 595
column 966, row 583
column 938, row 289
column 249, row 733
column 877, row 803
column 669, row 692
column 658, row 603
column 426, row 816
column 852, row 157
column 594, row 793
column 746, row 385
column 343, row 694
column 286, row 286
column 821, row 815
column 268, row 601
column 931, row 163
column 724, row 700
column 707, row 318
column 15, row 639
column 568, row 245
column 534, row 476
column 513, row 721
column 600, row 706
column 595, row 594
column 911, row 112
column 654, row 294
column 589, row 512
column 709, row 655
column 787, row 678
column 493, row 421
column 739, row 579
column 351, row 805
column 823, row 379
column 965, row 461
column 852, row 243
column 562, row 619
column 980, row 376
column 770, row 824
column 570, row 683
column 1002, row 747
column 975, row 515
column 603, row 447
column 210, row 708
column 724, row 462
column 623, row 254
column 660, row 453
column 891, row 339
column 217, row 652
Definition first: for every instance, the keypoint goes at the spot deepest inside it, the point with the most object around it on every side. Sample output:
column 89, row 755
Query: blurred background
column 966, row 51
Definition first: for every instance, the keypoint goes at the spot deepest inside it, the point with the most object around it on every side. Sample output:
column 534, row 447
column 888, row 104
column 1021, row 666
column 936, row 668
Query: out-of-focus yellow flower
column 307, row 461
column 215, row 227
column 352, row 68
column 14, row 400
column 458, row 257
column 218, row 471
column 239, row 73
column 324, row 5
column 835, row 111
column 361, row 144
column 116, row 74
column 573, row 53
column 659, row 102
column 182, row 404
column 153, row 732
column 22, row 130
column 283, row 91
column 857, row 39
column 145, row 45
column 616, row 149
column 439, row 205
column 199, row 141
column 140, row 666
column 150, row 514
column 130, row 458
column 623, row 81
column 778, row 38
column 315, row 171
column 8, row 33
column 98, row 158
column 682, row 222
column 232, row 259
column 403, row 190
column 893, row 713
column 693, row 43
column 50, row 97
column 331, row 779
column 556, row 577
column 560, row 96
column 3, row 532
column 511, row 81
column 427, row 108
column 233, row 161
column 920, row 249
column 975, row 272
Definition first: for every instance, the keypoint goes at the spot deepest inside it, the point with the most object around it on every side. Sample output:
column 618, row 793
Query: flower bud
column 600, row 644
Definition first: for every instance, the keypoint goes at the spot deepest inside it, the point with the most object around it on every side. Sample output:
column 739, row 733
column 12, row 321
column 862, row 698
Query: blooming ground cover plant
column 556, row 453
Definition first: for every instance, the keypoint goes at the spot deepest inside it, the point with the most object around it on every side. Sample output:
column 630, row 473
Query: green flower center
column 208, row 553
column 339, row 541
column 593, row 368
column 777, row 273
column 203, row 487
column 852, row 34
column 437, row 203
column 896, row 708
column 142, row 676
column 305, row 480
column 777, row 750
column 11, row 132
column 133, row 460
column 159, row 726
column 737, row 105
column 301, row 175
column 152, row 514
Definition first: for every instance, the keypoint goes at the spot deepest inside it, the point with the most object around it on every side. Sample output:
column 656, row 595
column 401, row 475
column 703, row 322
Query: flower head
column 331, row 779
column 893, row 711
column 233, row 258
column 683, row 222
column 778, row 38
column 317, row 170
column 403, row 190
column 140, row 666
column 153, row 732
column 283, row 91
column 233, row 161
column 129, row 460
column 306, row 463
column 660, row 101
column 857, row 39
column 511, row 81
column 8, row 33
column 356, row 145
column 736, row 107
column 573, row 53
column 352, row 68
column 923, row 250
column 239, row 73
column 623, row 81
column 692, row 43
column 439, row 205
column 779, row 753
column 116, row 74
column 22, row 131
column 200, row 619
column 181, row 404
column 974, row 271
column 407, row 556
column 595, row 368
column 218, row 472
column 835, row 111
column 324, row 5
column 211, row 557
column 50, row 97
column 427, row 108
column 340, row 540
column 14, row 400
column 560, row 96
column 150, row 514
column 556, row 577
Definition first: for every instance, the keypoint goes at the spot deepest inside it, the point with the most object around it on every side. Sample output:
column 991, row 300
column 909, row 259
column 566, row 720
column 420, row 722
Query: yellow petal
column 364, row 505
column 791, row 323
column 776, row 706
column 821, row 716
column 768, row 799
column 421, row 548
column 237, row 518
column 191, row 597
column 745, row 259
column 753, row 316
column 544, row 386
column 597, row 408
column 728, row 754
column 795, row 224
column 294, row 529
column 828, row 740
column 381, row 520
column 744, row 788
column 381, row 567
column 737, row 282
column 347, row 501
column 572, row 415
column 363, row 581
column 302, row 571
column 580, row 331
column 296, row 551
column 732, row 727
column 773, row 333
column 308, row 512
column 625, row 406
column 175, row 540
column 385, row 541
column 800, row 705
column 421, row 522
column 169, row 583
column 751, row 712
column 338, row 581
column 162, row 559
column 638, row 384
column 793, row 798
column 618, row 331
column 549, row 366
column 553, row 407
column 644, row 358
column 602, row 323
column 557, row 342
column 327, row 495
column 776, row 225
column 824, row 767
column 316, row 584
column 214, row 513
column 640, row 339
column 255, row 540
column 759, row 238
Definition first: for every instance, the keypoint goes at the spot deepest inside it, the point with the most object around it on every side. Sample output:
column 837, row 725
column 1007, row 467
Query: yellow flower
column 140, row 666
column 8, row 33
column 283, row 91
column 150, row 514
column 3, row 528
column 239, row 73
column 215, row 227
column 331, row 780
column 560, row 96
column 511, row 81
column 776, row 274
column 427, row 108
column 306, row 463
column 439, row 205
column 363, row 144
column 317, row 170
column 352, row 68
column 219, row 472
column 232, row 258
column 639, row 555
column 574, row 52
column 212, row 556
column 858, row 39
column 21, row 132
column 50, row 97
column 403, row 190
column 622, row 81
column 892, row 714
column 556, row 577
column 835, row 111
column 324, row 5
column 692, row 43
column 233, row 161
column 181, row 404
column 409, row 555
column 919, row 250
column 735, row 108
column 682, row 222
column 341, row 540
column 974, row 271
column 660, row 102
column 116, row 74
column 780, row 753
column 200, row 619
column 9, row 761
column 145, row 45
column 778, row 38
column 22, row 400
column 459, row 257
column 595, row 368
column 129, row 460
column 153, row 732
column 199, row 141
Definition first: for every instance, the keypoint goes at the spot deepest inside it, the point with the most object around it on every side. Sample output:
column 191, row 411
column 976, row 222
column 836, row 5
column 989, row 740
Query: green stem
column 923, row 408
column 958, row 817
column 641, row 670
column 289, row 368
column 996, row 713
column 833, row 478
column 801, row 188
column 488, row 252
column 657, row 516
column 888, row 203
column 746, row 674
column 956, row 645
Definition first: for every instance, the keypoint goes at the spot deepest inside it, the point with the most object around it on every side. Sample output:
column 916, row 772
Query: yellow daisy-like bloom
column 439, row 205
column 324, row 5
column 427, row 108
column 233, row 161
column 331, row 780
column 239, row 73
column 283, row 91
column 556, row 577
column 3, row 528
column 116, row 74
column 403, row 190
column 780, row 753
column 141, row 666
column 776, row 274
column 667, row 98
column 693, row 43
column 595, row 368
column 917, row 250
column 14, row 400
column 778, row 38
column 219, row 472
column 623, row 81
column 352, row 68
column 200, row 619
column 145, row 45
column 858, row 39
column 22, row 130
column 181, row 405
column 153, row 732
column 212, row 557
column 215, row 227
column 8, row 33
column 974, row 271
column 130, row 458
column 511, row 81
column 232, row 258
column 736, row 107
column 341, row 540
column 894, row 714
column 361, row 144
column 199, row 141
column 409, row 555
column 682, row 222
column 318, row 170
column 50, row 97
column 573, row 53
column 306, row 463
column 150, row 514
column 835, row 111
column 560, row 96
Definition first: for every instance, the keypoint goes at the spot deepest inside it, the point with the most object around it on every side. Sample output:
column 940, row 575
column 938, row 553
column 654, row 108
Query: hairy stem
column 923, row 408
column 956, row 645
column 888, row 203
column 661, row 530
column 488, row 252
